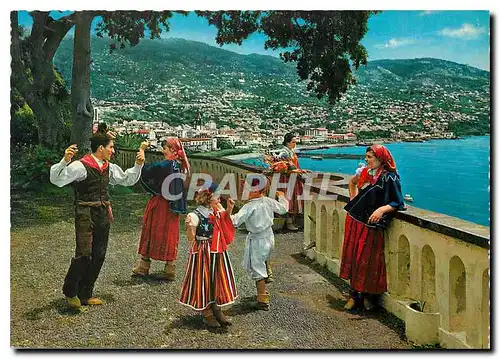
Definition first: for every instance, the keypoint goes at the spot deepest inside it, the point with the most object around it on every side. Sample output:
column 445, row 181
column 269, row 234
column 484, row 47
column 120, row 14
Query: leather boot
column 209, row 319
column 263, row 301
column 263, row 296
column 290, row 226
column 221, row 317
column 142, row 269
column 168, row 272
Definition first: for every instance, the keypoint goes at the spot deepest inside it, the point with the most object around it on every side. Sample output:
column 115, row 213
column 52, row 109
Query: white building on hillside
column 200, row 144
column 318, row 133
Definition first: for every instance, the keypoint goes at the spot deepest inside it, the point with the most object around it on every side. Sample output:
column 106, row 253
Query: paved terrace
column 306, row 308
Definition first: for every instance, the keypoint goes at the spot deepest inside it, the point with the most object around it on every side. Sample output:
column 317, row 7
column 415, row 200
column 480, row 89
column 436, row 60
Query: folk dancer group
column 209, row 284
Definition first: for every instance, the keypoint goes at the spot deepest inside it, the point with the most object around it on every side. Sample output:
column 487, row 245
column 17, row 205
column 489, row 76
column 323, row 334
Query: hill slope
column 174, row 79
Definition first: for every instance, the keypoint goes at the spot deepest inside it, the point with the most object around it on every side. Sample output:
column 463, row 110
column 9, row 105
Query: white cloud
column 393, row 43
column 467, row 31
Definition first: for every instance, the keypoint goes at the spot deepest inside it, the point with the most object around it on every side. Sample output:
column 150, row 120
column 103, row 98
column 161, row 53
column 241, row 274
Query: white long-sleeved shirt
column 258, row 215
column 62, row 174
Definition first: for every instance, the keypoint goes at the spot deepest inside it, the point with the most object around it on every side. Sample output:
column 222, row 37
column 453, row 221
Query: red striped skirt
column 363, row 260
column 160, row 231
column 209, row 278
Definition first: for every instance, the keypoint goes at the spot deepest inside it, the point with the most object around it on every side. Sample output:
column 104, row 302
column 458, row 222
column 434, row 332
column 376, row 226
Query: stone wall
column 431, row 258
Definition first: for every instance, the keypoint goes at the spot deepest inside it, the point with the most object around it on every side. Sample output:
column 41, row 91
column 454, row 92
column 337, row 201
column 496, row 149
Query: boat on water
column 316, row 158
column 408, row 198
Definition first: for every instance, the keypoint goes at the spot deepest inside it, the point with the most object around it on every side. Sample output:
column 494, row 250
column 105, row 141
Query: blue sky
column 460, row 36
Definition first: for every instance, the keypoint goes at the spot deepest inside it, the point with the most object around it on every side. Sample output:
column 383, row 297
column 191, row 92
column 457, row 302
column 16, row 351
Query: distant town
column 207, row 136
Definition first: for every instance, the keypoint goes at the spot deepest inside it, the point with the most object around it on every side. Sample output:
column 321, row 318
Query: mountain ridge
column 178, row 78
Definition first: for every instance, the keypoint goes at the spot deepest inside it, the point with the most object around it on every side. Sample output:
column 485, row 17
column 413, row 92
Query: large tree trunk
column 81, row 107
column 38, row 93
column 50, row 124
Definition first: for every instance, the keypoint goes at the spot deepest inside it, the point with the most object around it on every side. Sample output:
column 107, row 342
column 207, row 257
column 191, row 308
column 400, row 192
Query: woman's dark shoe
column 224, row 321
column 211, row 322
column 290, row 225
column 368, row 304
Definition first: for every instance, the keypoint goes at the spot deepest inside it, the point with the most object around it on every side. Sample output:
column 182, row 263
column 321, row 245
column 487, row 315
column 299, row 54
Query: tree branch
column 39, row 21
column 42, row 70
column 58, row 29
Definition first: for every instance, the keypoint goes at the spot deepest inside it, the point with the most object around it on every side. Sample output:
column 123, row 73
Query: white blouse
column 62, row 174
column 258, row 213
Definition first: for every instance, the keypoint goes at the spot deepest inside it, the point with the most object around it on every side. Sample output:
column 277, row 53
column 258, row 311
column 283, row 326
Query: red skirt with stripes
column 160, row 231
column 209, row 278
column 363, row 260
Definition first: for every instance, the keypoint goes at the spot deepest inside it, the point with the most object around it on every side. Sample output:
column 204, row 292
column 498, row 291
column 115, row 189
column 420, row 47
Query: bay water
column 446, row 176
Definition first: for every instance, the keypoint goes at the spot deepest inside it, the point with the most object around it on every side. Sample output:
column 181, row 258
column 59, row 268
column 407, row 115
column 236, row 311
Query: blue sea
column 446, row 176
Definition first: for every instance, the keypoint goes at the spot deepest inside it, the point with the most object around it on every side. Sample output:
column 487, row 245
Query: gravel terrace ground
column 306, row 301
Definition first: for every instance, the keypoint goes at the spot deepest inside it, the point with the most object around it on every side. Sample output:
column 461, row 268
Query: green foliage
column 363, row 135
column 23, row 130
column 24, row 126
column 119, row 190
column 225, row 145
column 409, row 128
column 324, row 44
column 128, row 27
column 30, row 167
column 333, row 126
column 129, row 140
column 472, row 128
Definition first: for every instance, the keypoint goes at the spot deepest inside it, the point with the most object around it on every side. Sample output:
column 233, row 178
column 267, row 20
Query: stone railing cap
column 438, row 222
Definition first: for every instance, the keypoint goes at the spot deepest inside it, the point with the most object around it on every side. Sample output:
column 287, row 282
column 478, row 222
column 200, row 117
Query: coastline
column 382, row 141
column 321, row 146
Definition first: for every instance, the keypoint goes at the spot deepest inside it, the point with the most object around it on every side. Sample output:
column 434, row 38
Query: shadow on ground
column 61, row 307
column 153, row 279
column 242, row 307
column 194, row 322
column 379, row 313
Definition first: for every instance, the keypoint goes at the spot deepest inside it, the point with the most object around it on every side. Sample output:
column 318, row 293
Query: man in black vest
column 91, row 177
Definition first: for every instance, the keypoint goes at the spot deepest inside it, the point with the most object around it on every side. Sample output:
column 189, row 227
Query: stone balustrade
column 432, row 259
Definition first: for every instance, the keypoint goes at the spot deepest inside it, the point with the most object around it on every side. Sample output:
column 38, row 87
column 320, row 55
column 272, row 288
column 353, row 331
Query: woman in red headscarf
column 375, row 195
column 160, row 225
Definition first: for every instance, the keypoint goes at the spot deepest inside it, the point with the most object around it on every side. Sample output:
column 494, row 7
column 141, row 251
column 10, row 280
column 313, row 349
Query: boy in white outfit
column 258, row 216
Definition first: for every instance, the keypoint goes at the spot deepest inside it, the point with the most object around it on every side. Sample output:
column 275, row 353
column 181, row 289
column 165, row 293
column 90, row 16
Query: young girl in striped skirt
column 209, row 282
